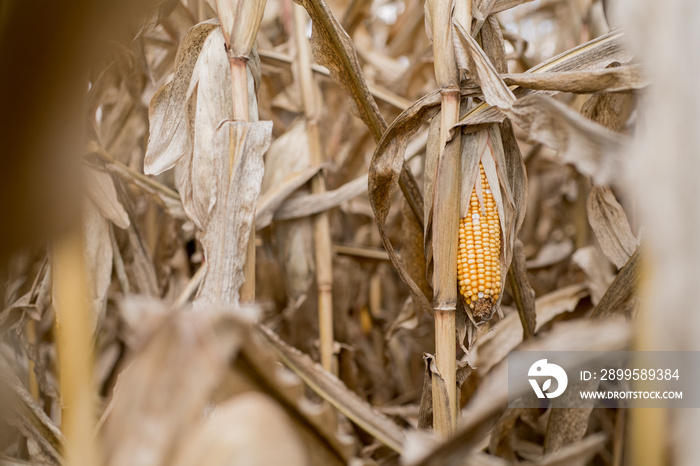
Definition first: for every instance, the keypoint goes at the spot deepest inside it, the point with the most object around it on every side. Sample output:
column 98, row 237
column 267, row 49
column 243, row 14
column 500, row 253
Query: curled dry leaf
column 170, row 136
column 620, row 294
column 481, row 9
column 595, row 54
column 384, row 172
column 271, row 200
column 592, row 149
column 522, row 292
column 495, row 90
column 503, row 5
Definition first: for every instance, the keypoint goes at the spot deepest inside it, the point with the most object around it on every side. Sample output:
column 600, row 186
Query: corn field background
column 230, row 228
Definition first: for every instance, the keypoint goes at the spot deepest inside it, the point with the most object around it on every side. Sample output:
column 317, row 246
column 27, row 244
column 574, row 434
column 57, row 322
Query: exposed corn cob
column 478, row 259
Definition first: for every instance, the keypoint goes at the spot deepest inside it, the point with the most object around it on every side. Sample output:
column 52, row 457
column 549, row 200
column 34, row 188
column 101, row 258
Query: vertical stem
column 239, row 87
column 239, row 93
column 74, row 351
column 445, row 233
column 322, row 235
column 446, row 213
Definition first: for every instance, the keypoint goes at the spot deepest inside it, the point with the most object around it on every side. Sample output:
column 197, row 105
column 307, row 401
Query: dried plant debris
column 466, row 161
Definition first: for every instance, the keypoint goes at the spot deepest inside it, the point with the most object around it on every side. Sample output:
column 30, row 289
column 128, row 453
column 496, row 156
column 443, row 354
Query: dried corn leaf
column 610, row 225
column 618, row 296
column 310, row 204
column 271, row 200
column 622, row 78
column 384, row 173
column 170, row 136
column 101, row 191
column 23, row 412
column 481, row 9
column 522, row 292
column 592, row 149
column 593, row 55
column 503, row 5
column 98, row 259
column 287, row 167
column 198, row 183
column 227, row 228
column 336, row 393
column 164, row 196
column 597, row 269
column 496, row 92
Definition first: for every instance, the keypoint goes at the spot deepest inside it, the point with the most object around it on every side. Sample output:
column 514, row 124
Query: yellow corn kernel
column 479, row 276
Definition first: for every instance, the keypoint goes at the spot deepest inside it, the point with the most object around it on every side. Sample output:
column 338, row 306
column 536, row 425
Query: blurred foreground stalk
column 669, row 318
column 73, row 330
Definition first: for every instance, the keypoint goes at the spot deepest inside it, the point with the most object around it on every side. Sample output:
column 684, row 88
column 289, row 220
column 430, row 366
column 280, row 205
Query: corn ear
column 486, row 228
column 478, row 264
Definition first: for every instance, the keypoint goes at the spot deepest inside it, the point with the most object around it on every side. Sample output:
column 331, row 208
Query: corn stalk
column 322, row 235
column 445, row 213
column 240, row 21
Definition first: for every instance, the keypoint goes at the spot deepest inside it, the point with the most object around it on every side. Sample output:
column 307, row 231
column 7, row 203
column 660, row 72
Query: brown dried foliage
column 188, row 372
